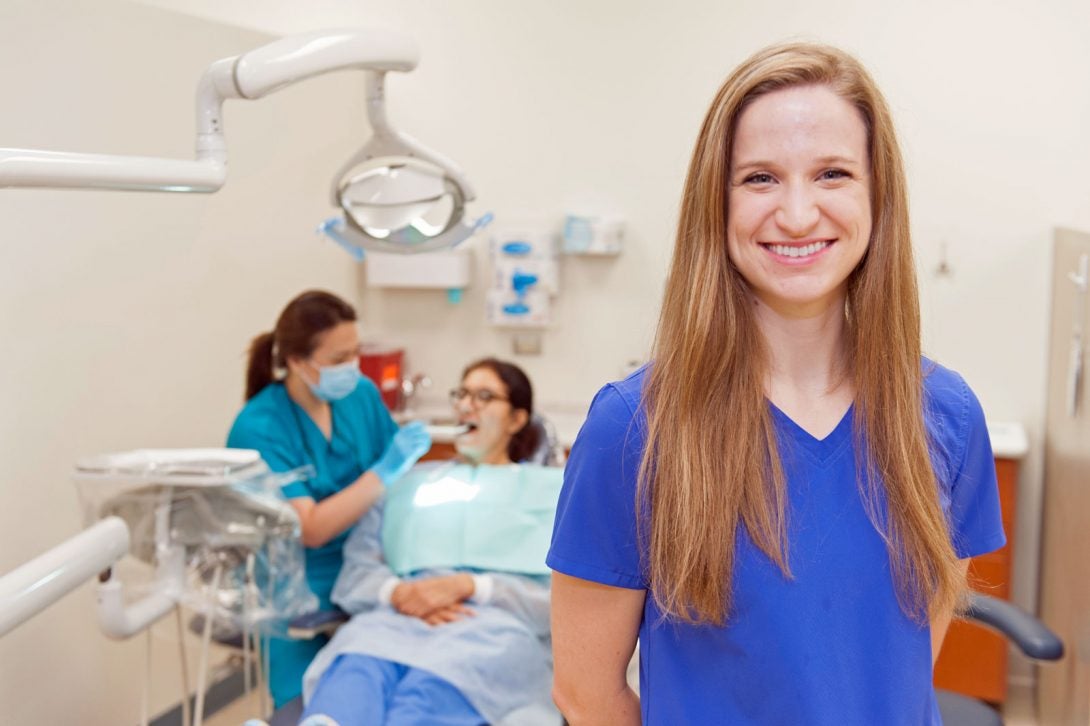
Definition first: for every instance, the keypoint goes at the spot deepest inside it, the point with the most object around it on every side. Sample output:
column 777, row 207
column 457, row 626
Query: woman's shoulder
column 951, row 410
column 263, row 411
column 365, row 388
column 620, row 401
column 269, row 401
column 616, row 421
column 365, row 395
column 946, row 393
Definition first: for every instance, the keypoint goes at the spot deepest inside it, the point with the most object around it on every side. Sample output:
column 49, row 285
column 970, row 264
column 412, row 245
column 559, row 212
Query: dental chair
column 549, row 452
column 1031, row 636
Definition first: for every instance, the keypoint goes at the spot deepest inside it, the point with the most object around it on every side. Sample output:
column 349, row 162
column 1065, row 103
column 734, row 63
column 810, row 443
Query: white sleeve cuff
column 482, row 589
column 386, row 592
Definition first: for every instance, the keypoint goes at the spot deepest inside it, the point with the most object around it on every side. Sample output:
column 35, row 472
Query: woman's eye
column 831, row 174
column 759, row 178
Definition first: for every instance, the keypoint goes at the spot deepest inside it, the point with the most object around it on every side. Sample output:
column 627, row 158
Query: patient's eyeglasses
column 478, row 398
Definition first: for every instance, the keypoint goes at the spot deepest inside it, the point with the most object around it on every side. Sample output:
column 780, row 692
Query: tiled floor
column 235, row 713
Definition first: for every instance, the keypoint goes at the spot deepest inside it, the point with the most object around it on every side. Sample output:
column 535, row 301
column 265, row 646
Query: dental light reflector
column 397, row 194
column 392, row 197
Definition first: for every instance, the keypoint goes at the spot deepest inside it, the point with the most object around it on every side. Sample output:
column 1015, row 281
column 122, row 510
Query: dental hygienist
column 307, row 403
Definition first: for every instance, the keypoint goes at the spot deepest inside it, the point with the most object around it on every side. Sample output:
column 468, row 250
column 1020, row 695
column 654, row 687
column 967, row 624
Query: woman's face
column 335, row 346
column 799, row 198
column 492, row 423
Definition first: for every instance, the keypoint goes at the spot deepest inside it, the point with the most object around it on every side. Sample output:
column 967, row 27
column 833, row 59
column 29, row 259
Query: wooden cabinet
column 973, row 660
column 443, row 450
column 440, row 451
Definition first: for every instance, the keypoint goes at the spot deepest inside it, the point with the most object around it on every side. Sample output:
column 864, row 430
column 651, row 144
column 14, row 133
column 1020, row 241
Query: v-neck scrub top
column 829, row 646
column 288, row 438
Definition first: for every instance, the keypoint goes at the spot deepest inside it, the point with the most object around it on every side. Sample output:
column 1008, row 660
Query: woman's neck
column 300, row 392
column 806, row 352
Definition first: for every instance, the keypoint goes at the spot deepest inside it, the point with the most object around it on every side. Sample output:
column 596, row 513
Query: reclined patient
column 446, row 581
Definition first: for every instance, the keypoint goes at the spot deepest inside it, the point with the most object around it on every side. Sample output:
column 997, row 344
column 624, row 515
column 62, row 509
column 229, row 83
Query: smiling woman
column 788, row 483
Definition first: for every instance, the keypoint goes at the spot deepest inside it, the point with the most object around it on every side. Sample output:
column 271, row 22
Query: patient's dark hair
column 521, row 395
column 295, row 336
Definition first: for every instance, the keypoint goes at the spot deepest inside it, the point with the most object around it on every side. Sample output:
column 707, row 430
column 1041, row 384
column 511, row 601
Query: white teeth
column 795, row 251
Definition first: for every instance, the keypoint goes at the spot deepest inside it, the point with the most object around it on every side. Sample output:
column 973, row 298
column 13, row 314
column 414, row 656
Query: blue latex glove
column 410, row 443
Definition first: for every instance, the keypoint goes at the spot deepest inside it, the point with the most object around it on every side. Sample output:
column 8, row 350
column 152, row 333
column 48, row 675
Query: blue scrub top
column 288, row 438
column 830, row 646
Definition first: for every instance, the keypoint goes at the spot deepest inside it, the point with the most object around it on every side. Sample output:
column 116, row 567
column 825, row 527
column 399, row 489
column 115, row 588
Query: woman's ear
column 518, row 419
column 293, row 363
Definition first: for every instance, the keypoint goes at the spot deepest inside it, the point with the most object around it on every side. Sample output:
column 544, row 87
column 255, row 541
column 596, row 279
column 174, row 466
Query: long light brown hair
column 711, row 462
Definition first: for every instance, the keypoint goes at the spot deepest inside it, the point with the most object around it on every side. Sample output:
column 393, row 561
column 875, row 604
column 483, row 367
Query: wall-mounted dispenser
column 592, row 235
column 450, row 271
column 525, row 276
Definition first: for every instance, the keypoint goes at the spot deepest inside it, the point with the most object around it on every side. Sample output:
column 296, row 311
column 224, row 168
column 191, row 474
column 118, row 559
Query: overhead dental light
column 397, row 195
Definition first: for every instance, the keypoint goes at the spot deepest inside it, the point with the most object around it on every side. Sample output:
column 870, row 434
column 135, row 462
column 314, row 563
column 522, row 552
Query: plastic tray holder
column 219, row 510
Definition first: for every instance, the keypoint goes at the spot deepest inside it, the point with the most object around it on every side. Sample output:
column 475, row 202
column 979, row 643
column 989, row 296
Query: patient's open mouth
column 443, row 431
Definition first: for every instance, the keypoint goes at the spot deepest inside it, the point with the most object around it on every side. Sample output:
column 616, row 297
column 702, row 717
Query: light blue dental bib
column 450, row 515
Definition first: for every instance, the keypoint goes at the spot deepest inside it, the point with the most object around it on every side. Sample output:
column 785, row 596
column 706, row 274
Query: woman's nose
column 798, row 212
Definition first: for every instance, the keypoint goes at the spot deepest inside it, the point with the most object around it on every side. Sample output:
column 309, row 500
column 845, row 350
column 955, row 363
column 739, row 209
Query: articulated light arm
column 250, row 76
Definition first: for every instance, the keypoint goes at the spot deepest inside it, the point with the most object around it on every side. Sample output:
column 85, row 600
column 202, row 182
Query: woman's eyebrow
column 757, row 164
column 846, row 160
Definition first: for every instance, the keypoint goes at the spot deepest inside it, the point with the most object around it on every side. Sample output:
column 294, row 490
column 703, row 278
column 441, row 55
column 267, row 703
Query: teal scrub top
column 288, row 438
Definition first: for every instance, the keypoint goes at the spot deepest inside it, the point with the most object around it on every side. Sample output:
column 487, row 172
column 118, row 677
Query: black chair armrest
column 310, row 625
column 1027, row 632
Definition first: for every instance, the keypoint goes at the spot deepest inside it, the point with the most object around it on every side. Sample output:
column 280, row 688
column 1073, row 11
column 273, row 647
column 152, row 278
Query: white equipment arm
column 251, row 76
column 30, row 588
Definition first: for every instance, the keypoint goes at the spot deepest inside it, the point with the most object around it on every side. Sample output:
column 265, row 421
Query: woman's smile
column 797, row 253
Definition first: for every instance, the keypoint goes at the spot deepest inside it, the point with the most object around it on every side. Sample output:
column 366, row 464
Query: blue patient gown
column 499, row 659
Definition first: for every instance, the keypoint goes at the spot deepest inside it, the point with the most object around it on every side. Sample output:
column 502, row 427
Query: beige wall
column 124, row 316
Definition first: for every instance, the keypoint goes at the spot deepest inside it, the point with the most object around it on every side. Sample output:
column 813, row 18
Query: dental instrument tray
column 194, row 467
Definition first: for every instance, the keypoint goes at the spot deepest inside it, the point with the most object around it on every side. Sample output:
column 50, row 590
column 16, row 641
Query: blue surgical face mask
column 336, row 382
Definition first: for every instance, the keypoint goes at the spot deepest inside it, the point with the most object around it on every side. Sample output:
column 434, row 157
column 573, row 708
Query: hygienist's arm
column 322, row 521
column 941, row 623
column 594, row 633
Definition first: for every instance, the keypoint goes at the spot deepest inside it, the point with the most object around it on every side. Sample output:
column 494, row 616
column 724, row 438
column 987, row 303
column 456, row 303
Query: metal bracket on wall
column 1081, row 279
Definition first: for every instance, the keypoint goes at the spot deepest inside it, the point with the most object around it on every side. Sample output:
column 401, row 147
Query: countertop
column 1009, row 440
column 565, row 418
